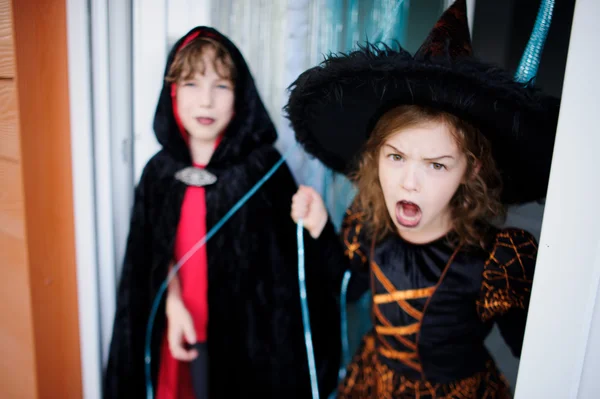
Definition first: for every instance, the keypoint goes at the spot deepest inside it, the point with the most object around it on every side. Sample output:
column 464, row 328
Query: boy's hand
column 180, row 330
column 308, row 205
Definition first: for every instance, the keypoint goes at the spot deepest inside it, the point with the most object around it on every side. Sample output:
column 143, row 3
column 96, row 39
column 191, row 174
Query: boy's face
column 205, row 102
column 420, row 169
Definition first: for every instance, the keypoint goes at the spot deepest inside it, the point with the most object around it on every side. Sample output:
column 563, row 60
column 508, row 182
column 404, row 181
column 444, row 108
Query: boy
column 234, row 308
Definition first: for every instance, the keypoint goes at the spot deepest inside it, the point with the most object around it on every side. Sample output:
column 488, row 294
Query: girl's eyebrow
column 439, row 158
column 432, row 159
column 394, row 148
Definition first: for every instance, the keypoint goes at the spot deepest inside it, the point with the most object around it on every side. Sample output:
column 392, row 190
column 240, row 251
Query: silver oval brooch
column 196, row 177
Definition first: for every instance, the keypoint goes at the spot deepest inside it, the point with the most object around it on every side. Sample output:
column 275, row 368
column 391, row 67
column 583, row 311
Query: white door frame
column 80, row 93
column 558, row 340
column 101, row 142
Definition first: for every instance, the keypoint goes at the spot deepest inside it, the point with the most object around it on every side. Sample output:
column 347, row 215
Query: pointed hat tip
column 450, row 36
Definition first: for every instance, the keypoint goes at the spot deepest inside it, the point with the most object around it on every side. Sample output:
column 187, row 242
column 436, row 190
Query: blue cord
column 306, row 320
column 344, row 326
column 198, row 245
column 305, row 316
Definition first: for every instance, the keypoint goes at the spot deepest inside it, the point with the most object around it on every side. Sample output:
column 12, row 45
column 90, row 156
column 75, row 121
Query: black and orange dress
column 432, row 307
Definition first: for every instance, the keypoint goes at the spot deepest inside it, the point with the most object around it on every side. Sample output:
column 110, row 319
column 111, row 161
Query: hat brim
column 333, row 108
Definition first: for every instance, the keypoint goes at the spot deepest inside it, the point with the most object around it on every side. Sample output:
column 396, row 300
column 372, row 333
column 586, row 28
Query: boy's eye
column 395, row 157
column 223, row 86
column 189, row 84
column 438, row 166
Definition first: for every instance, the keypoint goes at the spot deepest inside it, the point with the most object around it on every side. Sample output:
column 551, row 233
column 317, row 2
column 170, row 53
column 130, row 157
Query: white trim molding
column 80, row 93
column 567, row 274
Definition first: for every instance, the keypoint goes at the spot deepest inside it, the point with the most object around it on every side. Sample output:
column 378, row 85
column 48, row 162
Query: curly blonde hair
column 476, row 203
column 188, row 61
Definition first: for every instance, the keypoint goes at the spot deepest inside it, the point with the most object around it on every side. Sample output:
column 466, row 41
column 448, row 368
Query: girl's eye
column 395, row 157
column 223, row 86
column 189, row 84
column 438, row 166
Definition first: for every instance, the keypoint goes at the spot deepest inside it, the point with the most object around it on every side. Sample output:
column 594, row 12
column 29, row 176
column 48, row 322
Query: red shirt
column 174, row 379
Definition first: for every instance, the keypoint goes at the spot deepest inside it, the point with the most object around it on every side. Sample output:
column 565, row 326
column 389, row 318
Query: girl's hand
column 308, row 205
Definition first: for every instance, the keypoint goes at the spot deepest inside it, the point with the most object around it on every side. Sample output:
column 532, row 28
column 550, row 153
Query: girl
column 441, row 142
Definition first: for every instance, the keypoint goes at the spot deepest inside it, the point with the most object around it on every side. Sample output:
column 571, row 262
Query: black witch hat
column 334, row 106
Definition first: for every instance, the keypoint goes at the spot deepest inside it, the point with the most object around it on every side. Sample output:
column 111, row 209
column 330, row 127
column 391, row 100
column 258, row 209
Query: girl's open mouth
column 408, row 214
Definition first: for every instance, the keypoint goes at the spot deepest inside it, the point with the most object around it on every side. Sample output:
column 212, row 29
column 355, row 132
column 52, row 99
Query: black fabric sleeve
column 345, row 252
column 506, row 287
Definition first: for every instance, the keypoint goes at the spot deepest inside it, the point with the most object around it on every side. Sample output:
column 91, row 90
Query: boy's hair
column 188, row 61
column 476, row 203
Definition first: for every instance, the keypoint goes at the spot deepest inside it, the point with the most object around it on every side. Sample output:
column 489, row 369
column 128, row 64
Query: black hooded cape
column 255, row 334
